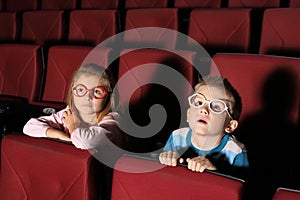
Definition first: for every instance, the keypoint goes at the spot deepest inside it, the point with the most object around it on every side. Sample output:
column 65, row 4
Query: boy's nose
column 204, row 109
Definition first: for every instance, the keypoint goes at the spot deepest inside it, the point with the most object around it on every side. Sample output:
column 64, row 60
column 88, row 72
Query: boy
column 208, row 143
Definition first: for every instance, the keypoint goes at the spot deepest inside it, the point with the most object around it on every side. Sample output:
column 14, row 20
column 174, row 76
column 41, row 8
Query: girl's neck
column 90, row 119
column 205, row 142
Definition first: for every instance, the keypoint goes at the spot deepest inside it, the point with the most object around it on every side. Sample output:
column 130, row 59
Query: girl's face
column 86, row 103
column 202, row 120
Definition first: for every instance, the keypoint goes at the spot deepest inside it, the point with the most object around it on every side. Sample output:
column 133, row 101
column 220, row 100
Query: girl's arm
column 47, row 126
column 96, row 136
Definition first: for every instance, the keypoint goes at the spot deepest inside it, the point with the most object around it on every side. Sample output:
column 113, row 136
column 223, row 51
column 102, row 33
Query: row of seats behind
column 14, row 5
column 217, row 30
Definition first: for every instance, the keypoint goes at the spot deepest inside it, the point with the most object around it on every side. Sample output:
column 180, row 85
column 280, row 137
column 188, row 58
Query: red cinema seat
column 247, row 72
column 197, row 4
column 26, row 5
column 43, row 27
column 58, row 5
column 129, row 4
column 157, row 19
column 286, row 194
column 8, row 26
column 280, row 32
column 99, row 4
column 149, row 77
column 220, row 30
column 92, row 26
column 35, row 168
column 63, row 61
column 20, row 70
column 294, row 3
column 21, row 73
column 254, row 3
column 136, row 178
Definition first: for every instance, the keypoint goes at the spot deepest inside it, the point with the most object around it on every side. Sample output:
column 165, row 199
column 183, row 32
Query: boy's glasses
column 98, row 92
column 216, row 106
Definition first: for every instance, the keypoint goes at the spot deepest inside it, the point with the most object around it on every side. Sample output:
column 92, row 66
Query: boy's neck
column 205, row 142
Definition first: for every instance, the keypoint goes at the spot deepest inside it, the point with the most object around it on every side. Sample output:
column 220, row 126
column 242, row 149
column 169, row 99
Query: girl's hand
column 69, row 121
column 199, row 164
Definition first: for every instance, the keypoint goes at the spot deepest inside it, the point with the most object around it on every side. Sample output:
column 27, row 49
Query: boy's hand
column 199, row 164
column 169, row 158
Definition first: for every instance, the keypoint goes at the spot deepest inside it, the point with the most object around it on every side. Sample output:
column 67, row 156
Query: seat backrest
column 29, row 163
column 280, row 32
column 15, row 5
column 99, row 4
column 20, row 70
column 286, row 194
column 92, row 26
column 197, row 4
column 152, row 76
column 249, row 74
column 166, row 18
column 220, row 30
column 254, row 3
column 169, row 182
column 58, row 5
column 8, row 26
column 42, row 27
column 129, row 4
column 63, row 61
column 294, row 3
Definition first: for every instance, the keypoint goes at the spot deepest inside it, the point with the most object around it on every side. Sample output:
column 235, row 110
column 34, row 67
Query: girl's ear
column 232, row 125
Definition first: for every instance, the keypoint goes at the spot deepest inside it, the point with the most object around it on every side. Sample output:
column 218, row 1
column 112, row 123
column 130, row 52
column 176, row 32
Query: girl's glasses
column 98, row 92
column 216, row 106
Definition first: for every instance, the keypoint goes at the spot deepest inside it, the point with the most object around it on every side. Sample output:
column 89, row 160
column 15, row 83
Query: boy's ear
column 188, row 114
column 232, row 125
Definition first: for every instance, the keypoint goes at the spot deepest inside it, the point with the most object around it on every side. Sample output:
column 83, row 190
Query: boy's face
column 202, row 120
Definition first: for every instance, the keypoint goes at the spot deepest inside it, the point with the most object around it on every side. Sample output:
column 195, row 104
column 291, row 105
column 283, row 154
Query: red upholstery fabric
column 8, row 26
column 92, row 26
column 16, row 5
column 43, row 27
column 294, row 3
column 280, row 31
column 146, row 4
column 63, row 61
column 248, row 72
column 132, row 181
column 58, row 5
column 197, row 4
column 143, row 70
column 99, row 4
column 254, row 3
column 152, row 17
column 20, row 70
column 221, row 29
column 34, row 168
column 286, row 194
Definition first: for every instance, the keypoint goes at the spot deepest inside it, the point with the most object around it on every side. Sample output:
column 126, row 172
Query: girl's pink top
column 84, row 138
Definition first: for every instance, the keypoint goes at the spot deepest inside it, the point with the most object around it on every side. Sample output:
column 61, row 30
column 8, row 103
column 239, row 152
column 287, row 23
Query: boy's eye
column 198, row 103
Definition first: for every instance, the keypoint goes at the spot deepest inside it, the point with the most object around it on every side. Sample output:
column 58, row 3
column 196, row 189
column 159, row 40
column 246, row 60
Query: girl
column 88, row 119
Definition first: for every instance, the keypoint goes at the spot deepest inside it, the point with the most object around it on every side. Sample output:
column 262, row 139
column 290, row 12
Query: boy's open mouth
column 202, row 121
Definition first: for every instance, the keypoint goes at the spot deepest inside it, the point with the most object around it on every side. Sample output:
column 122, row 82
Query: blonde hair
column 108, row 83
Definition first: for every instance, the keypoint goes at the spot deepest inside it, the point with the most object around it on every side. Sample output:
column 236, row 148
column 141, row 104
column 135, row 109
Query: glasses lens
column 217, row 106
column 197, row 101
column 79, row 90
column 99, row 92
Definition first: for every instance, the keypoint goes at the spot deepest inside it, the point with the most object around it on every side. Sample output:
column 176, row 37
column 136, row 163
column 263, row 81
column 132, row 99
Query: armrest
column 36, row 168
column 134, row 179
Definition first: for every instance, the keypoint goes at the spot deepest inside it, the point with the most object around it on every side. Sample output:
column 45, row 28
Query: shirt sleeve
column 37, row 127
column 96, row 136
